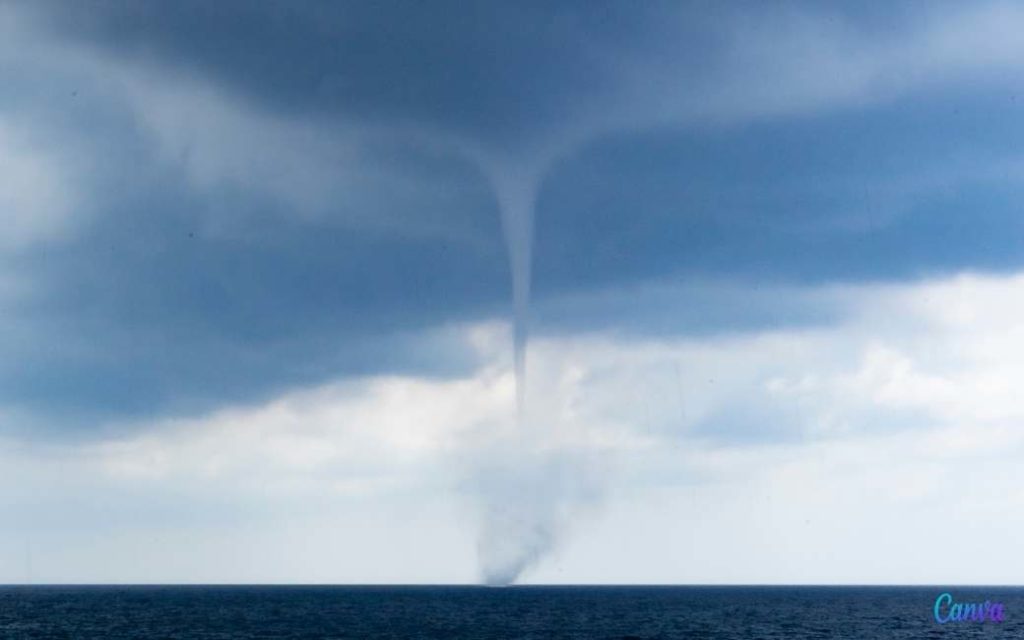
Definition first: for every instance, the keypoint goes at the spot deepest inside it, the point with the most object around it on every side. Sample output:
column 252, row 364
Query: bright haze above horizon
column 255, row 299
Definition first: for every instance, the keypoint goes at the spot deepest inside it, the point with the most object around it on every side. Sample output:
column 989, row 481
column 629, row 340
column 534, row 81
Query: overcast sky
column 255, row 300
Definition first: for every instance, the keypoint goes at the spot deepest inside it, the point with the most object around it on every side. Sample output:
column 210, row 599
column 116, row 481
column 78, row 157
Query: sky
column 256, row 301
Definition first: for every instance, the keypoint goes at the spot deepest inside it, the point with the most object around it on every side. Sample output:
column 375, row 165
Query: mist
column 530, row 498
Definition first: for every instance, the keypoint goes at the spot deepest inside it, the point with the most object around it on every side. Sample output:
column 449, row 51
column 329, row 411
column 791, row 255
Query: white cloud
column 353, row 436
column 915, row 358
column 898, row 422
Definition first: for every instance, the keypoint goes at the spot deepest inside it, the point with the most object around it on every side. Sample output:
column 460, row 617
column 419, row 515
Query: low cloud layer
column 904, row 403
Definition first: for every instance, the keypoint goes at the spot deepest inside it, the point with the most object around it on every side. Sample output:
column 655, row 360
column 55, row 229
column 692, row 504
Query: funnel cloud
column 527, row 495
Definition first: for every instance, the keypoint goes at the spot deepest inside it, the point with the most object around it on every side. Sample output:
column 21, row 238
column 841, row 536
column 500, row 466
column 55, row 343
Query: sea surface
column 196, row 612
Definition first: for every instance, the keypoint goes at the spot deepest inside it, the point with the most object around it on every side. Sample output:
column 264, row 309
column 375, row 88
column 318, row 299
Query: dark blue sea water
column 479, row 612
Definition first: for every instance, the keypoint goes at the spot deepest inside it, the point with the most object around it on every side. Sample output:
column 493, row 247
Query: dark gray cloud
column 495, row 71
column 914, row 189
column 207, row 264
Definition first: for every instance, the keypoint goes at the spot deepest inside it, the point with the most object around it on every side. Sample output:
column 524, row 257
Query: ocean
column 541, row 612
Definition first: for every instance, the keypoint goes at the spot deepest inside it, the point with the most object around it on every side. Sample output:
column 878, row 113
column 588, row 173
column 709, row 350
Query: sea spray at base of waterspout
column 529, row 500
